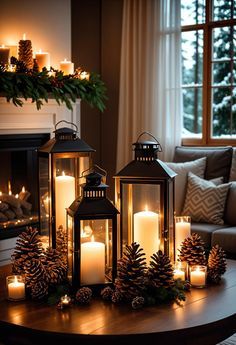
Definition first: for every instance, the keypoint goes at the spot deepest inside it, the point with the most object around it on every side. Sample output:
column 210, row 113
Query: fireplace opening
column 19, row 182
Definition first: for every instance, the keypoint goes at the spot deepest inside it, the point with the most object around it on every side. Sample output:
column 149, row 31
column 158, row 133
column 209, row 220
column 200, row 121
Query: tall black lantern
column 61, row 163
column 92, row 235
column 145, row 198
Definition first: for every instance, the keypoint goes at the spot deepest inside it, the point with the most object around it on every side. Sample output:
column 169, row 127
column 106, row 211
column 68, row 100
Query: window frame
column 207, row 28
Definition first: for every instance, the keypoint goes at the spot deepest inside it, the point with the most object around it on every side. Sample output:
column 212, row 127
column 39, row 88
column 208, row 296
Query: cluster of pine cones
column 193, row 252
column 42, row 268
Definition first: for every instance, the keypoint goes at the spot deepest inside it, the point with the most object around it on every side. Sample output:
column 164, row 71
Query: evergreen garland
column 40, row 86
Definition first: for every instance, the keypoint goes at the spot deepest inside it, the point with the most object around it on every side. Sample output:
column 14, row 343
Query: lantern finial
column 146, row 150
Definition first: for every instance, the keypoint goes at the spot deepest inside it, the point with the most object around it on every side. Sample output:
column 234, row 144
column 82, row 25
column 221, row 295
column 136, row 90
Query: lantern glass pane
column 141, row 222
column 67, row 183
column 96, row 251
column 44, row 199
column 170, row 237
column 70, row 229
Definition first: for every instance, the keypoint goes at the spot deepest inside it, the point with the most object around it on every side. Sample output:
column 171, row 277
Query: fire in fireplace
column 19, row 182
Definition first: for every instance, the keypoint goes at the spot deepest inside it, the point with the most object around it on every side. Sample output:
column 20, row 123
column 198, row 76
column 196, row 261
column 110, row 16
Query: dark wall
column 96, row 44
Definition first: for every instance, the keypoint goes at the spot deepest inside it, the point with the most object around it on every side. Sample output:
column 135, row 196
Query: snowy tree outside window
column 209, row 69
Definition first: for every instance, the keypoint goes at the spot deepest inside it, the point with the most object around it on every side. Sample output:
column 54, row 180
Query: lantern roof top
column 92, row 207
column 146, row 169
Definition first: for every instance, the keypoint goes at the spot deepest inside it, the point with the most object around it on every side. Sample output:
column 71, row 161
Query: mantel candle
column 146, row 232
column 64, row 196
column 43, row 59
column 67, row 67
column 4, row 54
column 182, row 231
column 92, row 262
column 15, row 288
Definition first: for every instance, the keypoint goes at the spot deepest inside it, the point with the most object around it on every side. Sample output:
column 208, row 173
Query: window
column 209, row 71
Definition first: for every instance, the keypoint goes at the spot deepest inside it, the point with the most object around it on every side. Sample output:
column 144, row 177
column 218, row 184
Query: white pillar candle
column 182, row 231
column 64, row 196
column 92, row 263
column 16, row 289
column 67, row 67
column 43, row 59
column 198, row 276
column 4, row 54
column 146, row 232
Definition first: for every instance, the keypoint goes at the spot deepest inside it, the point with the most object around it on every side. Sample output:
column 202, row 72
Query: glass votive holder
column 198, row 275
column 15, row 287
column 180, row 269
column 182, row 231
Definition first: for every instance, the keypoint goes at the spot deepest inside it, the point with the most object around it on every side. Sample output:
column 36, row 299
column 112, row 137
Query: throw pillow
column 205, row 202
column 197, row 167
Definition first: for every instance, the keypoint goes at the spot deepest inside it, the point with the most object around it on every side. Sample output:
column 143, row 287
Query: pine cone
column 84, row 295
column 56, row 269
column 160, row 272
column 131, row 272
column 138, row 302
column 39, row 290
column 28, row 247
column 117, row 297
column 216, row 264
column 106, row 293
column 25, row 53
column 34, row 272
column 61, row 242
column 192, row 250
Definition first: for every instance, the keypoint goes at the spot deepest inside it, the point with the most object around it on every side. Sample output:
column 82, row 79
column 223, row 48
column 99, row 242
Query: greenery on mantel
column 39, row 86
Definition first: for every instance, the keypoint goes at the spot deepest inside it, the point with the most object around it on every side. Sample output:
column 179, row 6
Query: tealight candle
column 65, row 300
column 84, row 75
column 179, row 271
column 15, row 288
column 198, row 276
column 67, row 67
column 43, row 59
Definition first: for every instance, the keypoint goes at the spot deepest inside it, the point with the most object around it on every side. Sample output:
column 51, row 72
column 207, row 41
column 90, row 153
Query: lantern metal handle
column 69, row 123
column 92, row 167
column 152, row 136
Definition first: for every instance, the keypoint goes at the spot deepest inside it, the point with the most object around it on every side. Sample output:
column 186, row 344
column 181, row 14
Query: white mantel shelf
column 27, row 119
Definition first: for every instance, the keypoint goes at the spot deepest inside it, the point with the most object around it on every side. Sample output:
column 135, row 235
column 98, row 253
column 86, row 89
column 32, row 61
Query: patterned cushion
column 197, row 167
column 205, row 202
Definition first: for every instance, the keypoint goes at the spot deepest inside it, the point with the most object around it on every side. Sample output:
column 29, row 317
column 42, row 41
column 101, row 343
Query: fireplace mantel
column 27, row 119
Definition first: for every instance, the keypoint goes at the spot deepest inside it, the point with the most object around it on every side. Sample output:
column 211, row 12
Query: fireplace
column 19, row 182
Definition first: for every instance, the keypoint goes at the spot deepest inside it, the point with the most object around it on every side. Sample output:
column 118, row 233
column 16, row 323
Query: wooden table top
column 206, row 317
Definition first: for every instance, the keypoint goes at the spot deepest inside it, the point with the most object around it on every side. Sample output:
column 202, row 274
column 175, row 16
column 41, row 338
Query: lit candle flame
column 92, row 238
column 17, row 196
column 15, row 280
column 146, row 208
column 65, row 60
column 9, row 188
column 23, row 189
column 0, row 193
column 63, row 173
column 24, row 36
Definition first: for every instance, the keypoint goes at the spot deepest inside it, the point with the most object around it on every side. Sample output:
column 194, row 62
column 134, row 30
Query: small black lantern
column 61, row 162
column 145, row 198
column 92, row 235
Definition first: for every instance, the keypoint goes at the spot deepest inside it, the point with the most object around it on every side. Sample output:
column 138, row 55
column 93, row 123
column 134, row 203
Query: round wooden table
column 206, row 317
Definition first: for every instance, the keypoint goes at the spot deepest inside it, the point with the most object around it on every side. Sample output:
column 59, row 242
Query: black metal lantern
column 145, row 198
column 61, row 163
column 92, row 235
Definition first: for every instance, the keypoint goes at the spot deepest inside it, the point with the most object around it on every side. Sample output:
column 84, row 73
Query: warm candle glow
column 92, row 262
column 23, row 189
column 24, row 37
column 198, row 276
column 67, row 67
column 17, row 196
column 84, row 75
column 15, row 287
column 9, row 188
column 43, row 59
column 182, row 231
column 146, row 232
column 0, row 193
